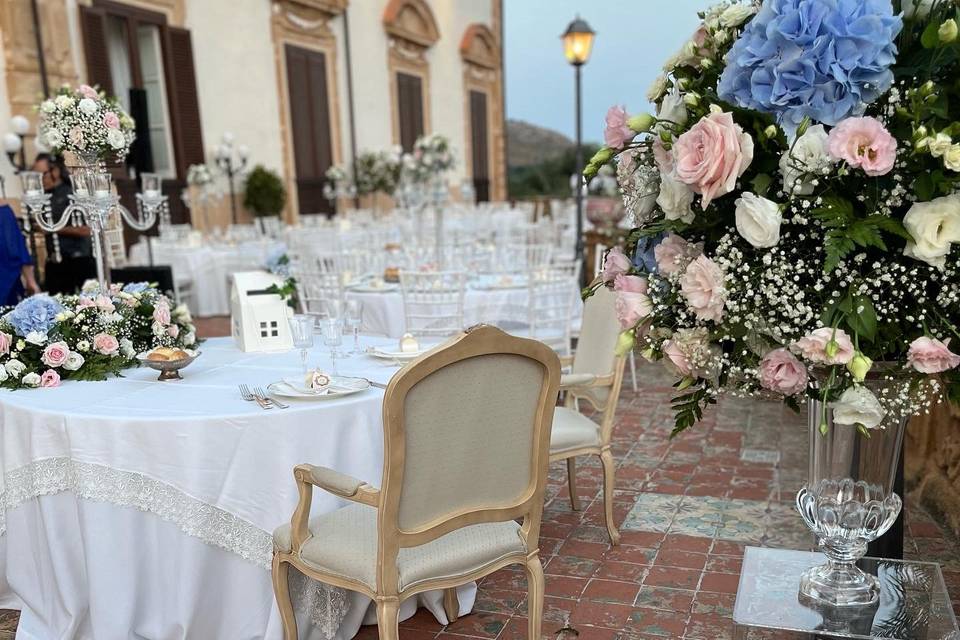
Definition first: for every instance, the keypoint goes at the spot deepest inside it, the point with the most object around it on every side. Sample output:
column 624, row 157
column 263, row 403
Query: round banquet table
column 383, row 310
column 207, row 268
column 134, row 508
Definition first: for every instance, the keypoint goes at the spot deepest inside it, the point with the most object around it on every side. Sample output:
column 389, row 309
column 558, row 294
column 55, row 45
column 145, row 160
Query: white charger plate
column 340, row 386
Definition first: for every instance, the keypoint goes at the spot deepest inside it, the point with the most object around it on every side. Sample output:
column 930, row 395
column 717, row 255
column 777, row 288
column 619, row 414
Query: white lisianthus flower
column 672, row 108
column 951, row 159
column 182, row 312
column 35, row 337
column 83, row 346
column 88, row 106
column 736, row 14
column 3, row 375
column 858, row 405
column 917, row 8
column 809, row 155
column 675, row 199
column 657, row 88
column 126, row 348
column 53, row 138
column 116, row 139
column 158, row 329
column 189, row 338
column 74, row 361
column 64, row 102
column 32, row 379
column 934, row 226
column 21, row 345
column 15, row 368
column 48, row 106
column 939, row 144
column 758, row 220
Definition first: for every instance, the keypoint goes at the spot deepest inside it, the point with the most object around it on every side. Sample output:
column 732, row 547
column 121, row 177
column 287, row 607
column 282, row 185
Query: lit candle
column 151, row 193
column 102, row 193
column 409, row 344
column 33, row 192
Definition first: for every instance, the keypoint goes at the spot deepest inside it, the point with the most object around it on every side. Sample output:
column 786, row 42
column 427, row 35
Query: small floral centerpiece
column 86, row 122
column 44, row 339
column 199, row 175
column 376, row 172
column 431, row 158
column 797, row 208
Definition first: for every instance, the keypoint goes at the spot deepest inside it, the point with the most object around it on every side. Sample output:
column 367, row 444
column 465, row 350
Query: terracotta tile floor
column 686, row 508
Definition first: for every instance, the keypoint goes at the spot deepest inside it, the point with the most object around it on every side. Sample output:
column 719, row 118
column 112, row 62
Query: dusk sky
column 634, row 38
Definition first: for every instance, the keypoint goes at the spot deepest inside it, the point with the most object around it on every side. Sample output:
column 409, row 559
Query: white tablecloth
column 207, row 268
column 383, row 311
column 133, row 508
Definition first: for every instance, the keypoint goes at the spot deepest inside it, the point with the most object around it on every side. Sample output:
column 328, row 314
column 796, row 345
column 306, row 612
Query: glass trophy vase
column 848, row 502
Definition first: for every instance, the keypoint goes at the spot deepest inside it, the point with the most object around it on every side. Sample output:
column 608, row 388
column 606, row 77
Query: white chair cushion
column 572, row 430
column 344, row 543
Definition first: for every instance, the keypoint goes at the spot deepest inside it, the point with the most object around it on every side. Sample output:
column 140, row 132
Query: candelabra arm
column 43, row 216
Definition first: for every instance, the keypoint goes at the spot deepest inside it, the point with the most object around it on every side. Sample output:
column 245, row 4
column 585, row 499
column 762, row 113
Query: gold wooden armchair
column 596, row 376
column 466, row 437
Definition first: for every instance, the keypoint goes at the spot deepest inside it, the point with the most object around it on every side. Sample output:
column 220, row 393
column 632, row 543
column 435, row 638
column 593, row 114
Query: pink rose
column 106, row 344
column 110, row 120
column 55, row 354
column 615, row 263
column 782, row 372
column 173, row 331
column 632, row 302
column 813, row 346
column 617, row 133
column 865, row 143
column 5, row 340
column 88, row 92
column 50, row 379
column 702, row 286
column 676, row 355
column 85, row 302
column 104, row 303
column 712, row 155
column 76, row 136
column 929, row 355
column 161, row 313
column 662, row 156
column 673, row 254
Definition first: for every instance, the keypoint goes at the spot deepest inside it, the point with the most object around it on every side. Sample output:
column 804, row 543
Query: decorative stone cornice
column 412, row 21
column 479, row 46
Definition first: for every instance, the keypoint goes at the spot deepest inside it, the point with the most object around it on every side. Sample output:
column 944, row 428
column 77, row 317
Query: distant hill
column 528, row 144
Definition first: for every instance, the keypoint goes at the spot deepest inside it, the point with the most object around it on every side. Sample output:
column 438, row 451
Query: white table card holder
column 259, row 319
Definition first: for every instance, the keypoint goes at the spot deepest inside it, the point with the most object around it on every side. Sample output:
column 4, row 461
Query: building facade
column 303, row 84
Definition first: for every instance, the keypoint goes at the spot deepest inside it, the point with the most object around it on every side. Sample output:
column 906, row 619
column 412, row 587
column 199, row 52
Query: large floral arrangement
column 90, row 336
column 431, row 158
column 797, row 208
column 86, row 122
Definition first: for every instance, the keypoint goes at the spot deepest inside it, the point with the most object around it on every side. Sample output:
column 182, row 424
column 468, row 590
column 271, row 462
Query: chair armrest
column 583, row 380
column 307, row 476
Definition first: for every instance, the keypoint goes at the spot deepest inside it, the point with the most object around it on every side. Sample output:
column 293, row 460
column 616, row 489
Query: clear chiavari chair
column 433, row 302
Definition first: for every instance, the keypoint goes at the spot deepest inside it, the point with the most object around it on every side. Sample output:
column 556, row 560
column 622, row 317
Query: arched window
column 482, row 80
column 411, row 30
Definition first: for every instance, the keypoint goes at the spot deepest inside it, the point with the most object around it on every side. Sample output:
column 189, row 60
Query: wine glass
column 301, row 329
column 332, row 308
column 332, row 338
column 354, row 318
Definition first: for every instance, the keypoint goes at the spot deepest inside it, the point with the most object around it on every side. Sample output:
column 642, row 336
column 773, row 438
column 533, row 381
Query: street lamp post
column 232, row 166
column 577, row 43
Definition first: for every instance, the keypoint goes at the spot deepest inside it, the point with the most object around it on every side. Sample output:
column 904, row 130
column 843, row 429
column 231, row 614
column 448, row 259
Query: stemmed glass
column 332, row 338
column 354, row 318
column 301, row 330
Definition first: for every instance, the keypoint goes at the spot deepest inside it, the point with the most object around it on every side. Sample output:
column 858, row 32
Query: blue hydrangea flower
column 278, row 263
column 822, row 59
column 643, row 258
column 36, row 313
column 136, row 287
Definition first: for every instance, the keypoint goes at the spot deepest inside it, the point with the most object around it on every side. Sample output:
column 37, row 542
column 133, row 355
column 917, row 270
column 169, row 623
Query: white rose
column 940, row 144
column 758, row 220
column 83, row 345
column 657, row 87
column 116, row 139
column 808, row 156
column 3, row 375
column 64, row 102
column 858, row 405
column 32, row 379
column 951, row 159
column 48, row 106
column 189, row 339
column 675, row 199
column 182, row 312
column 159, row 329
column 74, row 361
column 126, row 348
column 15, row 368
column 736, row 14
column 672, row 108
column 88, row 106
column 35, row 337
column 933, row 226
column 917, row 8
column 54, row 138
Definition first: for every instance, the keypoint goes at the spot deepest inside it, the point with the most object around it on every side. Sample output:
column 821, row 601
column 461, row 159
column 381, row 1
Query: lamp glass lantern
column 31, row 182
column 578, row 41
column 150, row 183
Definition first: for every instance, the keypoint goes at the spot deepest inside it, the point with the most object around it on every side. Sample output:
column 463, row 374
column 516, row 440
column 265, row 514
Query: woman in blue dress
column 16, row 266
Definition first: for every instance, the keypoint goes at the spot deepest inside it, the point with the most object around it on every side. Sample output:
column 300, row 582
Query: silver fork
column 249, row 397
column 263, row 394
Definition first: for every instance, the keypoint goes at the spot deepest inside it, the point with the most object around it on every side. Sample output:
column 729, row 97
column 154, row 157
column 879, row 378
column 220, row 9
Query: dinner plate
column 387, row 287
column 340, row 386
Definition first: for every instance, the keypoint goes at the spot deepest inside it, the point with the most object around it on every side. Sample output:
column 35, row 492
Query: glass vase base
column 839, row 585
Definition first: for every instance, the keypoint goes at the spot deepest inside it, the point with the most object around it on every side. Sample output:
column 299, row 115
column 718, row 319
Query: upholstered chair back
column 467, row 434
column 597, row 344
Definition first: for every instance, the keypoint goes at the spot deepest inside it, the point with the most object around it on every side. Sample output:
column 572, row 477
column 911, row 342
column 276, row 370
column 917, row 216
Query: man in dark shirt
column 77, row 263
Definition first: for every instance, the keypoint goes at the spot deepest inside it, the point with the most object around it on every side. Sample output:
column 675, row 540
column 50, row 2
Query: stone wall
column 933, row 463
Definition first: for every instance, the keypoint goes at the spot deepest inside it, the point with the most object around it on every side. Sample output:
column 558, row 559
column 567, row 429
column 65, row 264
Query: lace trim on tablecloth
column 214, row 526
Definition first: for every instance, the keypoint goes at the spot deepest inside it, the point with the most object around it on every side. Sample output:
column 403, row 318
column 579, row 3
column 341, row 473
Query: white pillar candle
column 409, row 344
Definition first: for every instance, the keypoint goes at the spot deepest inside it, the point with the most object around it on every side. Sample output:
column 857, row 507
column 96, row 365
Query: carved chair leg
column 572, row 483
column 388, row 616
column 451, row 605
column 606, row 459
column 535, row 588
column 281, row 590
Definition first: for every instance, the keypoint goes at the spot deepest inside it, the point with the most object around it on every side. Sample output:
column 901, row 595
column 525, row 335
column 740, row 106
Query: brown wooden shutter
column 480, row 153
column 409, row 109
column 94, row 26
column 184, row 100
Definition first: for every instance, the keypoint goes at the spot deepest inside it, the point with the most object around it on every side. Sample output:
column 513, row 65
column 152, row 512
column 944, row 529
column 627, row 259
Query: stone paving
column 686, row 508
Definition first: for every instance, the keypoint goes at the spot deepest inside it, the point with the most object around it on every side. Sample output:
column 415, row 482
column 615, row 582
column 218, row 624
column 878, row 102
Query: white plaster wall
column 371, row 81
column 11, row 181
column 236, row 76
